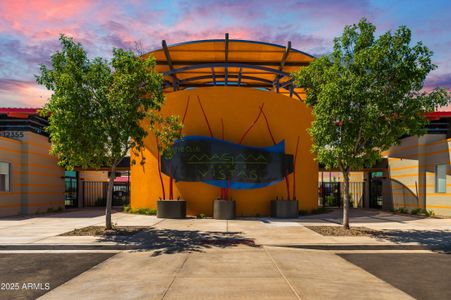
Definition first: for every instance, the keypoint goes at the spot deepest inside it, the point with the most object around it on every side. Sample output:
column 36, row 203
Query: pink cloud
column 43, row 19
column 18, row 93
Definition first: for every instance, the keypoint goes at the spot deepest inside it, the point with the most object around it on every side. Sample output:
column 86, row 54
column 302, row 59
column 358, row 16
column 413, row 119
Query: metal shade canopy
column 226, row 62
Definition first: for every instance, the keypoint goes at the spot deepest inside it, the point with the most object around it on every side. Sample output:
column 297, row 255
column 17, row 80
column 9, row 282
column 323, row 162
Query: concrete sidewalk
column 232, row 273
column 248, row 258
column 401, row 230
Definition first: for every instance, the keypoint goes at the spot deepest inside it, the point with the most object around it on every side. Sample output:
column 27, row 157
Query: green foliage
column 319, row 210
column 146, row 211
column 367, row 94
column 116, row 201
column 416, row 211
column 402, row 210
column 303, row 212
column 52, row 210
column 97, row 105
column 316, row 211
column 140, row 211
column 330, row 200
column 166, row 130
column 428, row 212
column 200, row 216
column 126, row 208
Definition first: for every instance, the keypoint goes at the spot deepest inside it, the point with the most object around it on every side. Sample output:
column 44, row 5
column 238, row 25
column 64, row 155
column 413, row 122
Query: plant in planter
column 288, row 208
column 166, row 131
column 224, row 207
column 281, row 208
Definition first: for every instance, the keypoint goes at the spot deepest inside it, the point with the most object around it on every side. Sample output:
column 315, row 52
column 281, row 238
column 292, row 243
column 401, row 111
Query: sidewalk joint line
column 175, row 276
column 283, row 275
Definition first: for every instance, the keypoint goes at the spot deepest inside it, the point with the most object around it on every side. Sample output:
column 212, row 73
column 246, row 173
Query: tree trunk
column 109, row 199
column 346, row 199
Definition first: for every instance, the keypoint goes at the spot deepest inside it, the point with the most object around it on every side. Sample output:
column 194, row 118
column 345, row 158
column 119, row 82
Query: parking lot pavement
column 237, row 272
column 421, row 275
column 30, row 275
column 246, row 258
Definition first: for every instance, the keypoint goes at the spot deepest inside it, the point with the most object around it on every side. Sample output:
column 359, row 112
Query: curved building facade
column 239, row 93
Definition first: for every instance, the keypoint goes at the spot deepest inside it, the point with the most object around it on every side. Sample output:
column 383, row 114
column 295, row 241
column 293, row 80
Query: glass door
column 376, row 196
column 71, row 190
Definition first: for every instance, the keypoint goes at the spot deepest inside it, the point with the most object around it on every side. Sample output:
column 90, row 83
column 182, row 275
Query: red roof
column 18, row 112
column 436, row 115
column 121, row 179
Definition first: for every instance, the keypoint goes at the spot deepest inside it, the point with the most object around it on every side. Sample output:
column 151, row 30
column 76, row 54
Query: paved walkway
column 244, row 258
column 233, row 273
column 401, row 229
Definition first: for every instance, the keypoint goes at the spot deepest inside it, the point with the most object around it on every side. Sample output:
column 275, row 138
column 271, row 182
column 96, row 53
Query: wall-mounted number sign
column 12, row 134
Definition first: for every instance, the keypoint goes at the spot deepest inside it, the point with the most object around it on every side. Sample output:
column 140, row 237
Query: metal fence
column 331, row 194
column 95, row 193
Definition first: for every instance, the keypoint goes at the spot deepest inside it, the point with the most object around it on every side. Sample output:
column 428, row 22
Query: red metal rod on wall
column 287, row 182
column 294, row 169
column 267, row 126
column 171, row 180
column 159, row 171
column 171, row 193
column 223, row 190
column 205, row 116
column 252, row 125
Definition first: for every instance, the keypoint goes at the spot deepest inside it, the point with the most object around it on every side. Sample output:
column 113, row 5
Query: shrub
column 330, row 200
column 319, row 210
column 403, row 210
column 428, row 212
column 127, row 208
column 139, row 211
column 415, row 211
column 100, row 201
column 200, row 216
column 145, row 211
column 303, row 212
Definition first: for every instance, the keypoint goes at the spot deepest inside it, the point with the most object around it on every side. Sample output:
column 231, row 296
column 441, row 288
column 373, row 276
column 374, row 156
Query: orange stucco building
column 240, row 92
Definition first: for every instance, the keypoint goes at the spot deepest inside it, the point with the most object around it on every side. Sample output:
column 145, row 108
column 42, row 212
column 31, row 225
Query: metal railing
column 95, row 193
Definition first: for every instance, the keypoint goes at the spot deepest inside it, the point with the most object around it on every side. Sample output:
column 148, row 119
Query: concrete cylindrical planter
column 224, row 209
column 284, row 209
column 171, row 209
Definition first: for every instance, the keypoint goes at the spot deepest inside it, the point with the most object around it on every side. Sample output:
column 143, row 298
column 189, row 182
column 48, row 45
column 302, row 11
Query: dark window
column 5, row 171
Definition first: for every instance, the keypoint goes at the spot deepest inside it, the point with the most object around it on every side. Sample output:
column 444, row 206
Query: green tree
column 365, row 96
column 98, row 106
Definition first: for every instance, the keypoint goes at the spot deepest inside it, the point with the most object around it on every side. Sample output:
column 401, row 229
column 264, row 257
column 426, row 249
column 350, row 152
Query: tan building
column 415, row 174
column 30, row 179
column 419, row 174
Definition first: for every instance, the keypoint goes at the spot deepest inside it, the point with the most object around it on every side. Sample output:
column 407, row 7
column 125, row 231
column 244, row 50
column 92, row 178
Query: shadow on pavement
column 168, row 241
column 361, row 215
column 434, row 239
column 421, row 275
column 30, row 275
column 71, row 213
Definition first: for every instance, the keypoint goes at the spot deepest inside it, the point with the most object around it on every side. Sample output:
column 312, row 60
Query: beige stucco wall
column 412, row 173
column 338, row 176
column 37, row 182
column 93, row 175
column 10, row 152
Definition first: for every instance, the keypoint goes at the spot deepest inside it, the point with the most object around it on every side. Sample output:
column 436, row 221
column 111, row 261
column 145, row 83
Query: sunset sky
column 29, row 30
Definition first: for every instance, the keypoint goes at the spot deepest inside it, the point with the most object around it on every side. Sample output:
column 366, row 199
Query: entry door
column 71, row 189
column 376, row 196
